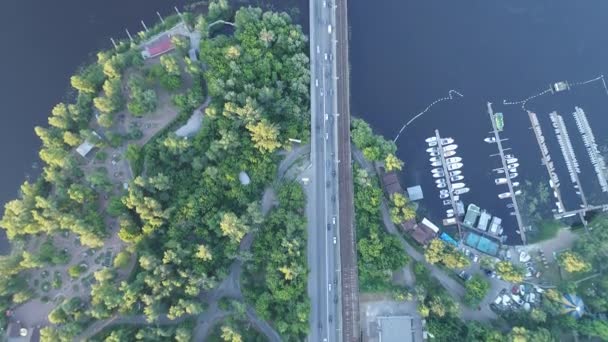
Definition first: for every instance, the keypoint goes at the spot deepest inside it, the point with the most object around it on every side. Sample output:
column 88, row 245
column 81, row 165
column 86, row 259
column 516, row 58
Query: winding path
column 230, row 287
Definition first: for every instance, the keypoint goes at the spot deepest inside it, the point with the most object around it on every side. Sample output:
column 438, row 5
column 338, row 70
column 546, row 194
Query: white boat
column 453, row 160
column 446, row 141
column 432, row 143
column 499, row 170
column 441, row 185
column 457, row 186
column 511, row 160
column 444, row 192
column 449, row 153
column 456, row 198
column 490, row 140
column 447, row 201
column 444, row 196
column 437, row 170
column 455, row 173
column 454, row 166
column 449, row 215
column 518, row 192
column 504, row 195
column 430, row 139
column 451, row 147
column 513, row 175
column 456, row 178
column 515, row 184
column 434, row 159
column 499, row 181
column 434, row 154
column 513, row 170
column 509, row 156
column 438, row 175
column 437, row 163
column 514, row 165
column 440, row 180
column 431, row 149
column 461, row 191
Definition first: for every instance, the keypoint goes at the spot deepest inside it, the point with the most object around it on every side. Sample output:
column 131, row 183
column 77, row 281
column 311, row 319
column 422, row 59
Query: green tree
column 122, row 259
column 476, row 289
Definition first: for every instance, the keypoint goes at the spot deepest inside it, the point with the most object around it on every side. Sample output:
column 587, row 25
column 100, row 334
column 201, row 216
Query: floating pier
column 546, row 160
column 599, row 164
column 506, row 171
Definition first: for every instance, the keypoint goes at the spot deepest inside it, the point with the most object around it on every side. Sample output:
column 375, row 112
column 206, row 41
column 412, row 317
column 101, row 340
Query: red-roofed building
column 158, row 47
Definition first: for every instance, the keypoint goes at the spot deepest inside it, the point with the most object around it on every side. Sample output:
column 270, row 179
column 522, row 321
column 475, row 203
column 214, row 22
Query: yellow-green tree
column 233, row 227
column 204, row 253
column 230, row 335
column 508, row 272
column 573, row 262
column 392, row 163
column 265, row 136
column 401, row 209
column 439, row 251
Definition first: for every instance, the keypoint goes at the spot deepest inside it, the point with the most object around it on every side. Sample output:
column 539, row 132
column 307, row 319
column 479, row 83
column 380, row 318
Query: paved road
column 322, row 192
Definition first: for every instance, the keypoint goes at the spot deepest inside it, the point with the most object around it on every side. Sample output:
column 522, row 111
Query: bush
column 122, row 259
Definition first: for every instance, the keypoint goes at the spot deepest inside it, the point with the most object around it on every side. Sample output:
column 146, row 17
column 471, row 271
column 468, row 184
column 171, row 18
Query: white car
column 335, row 240
column 334, row 220
column 475, row 258
column 329, row 287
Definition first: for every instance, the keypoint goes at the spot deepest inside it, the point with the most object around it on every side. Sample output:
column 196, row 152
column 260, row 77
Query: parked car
column 464, row 275
column 475, row 258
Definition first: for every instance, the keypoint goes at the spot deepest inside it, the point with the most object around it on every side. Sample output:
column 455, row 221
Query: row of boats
column 444, row 151
column 565, row 145
column 512, row 165
column 599, row 164
column 553, row 180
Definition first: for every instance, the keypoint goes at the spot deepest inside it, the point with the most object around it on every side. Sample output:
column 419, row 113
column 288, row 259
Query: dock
column 448, row 182
column 566, row 146
column 546, row 160
column 506, row 170
column 599, row 164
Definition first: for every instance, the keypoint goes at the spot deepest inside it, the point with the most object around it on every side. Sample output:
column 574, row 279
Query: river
column 407, row 54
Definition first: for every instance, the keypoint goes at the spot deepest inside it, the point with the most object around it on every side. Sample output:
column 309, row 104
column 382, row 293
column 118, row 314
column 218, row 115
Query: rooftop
column 399, row 329
column 84, row 148
column 158, row 47
column 415, row 193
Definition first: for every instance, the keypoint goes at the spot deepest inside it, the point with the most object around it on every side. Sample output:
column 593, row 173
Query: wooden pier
column 506, row 169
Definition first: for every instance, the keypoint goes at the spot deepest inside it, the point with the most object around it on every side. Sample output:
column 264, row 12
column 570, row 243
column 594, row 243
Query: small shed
column 415, row 193
column 84, row 148
column 244, row 178
column 157, row 47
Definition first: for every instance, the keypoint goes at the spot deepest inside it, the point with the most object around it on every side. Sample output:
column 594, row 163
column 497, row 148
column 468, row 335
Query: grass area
column 547, row 229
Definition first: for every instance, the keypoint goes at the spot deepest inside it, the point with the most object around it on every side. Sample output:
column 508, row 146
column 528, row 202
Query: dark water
column 407, row 54
column 43, row 44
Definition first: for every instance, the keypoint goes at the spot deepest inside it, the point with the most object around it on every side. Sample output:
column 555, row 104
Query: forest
column 185, row 212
